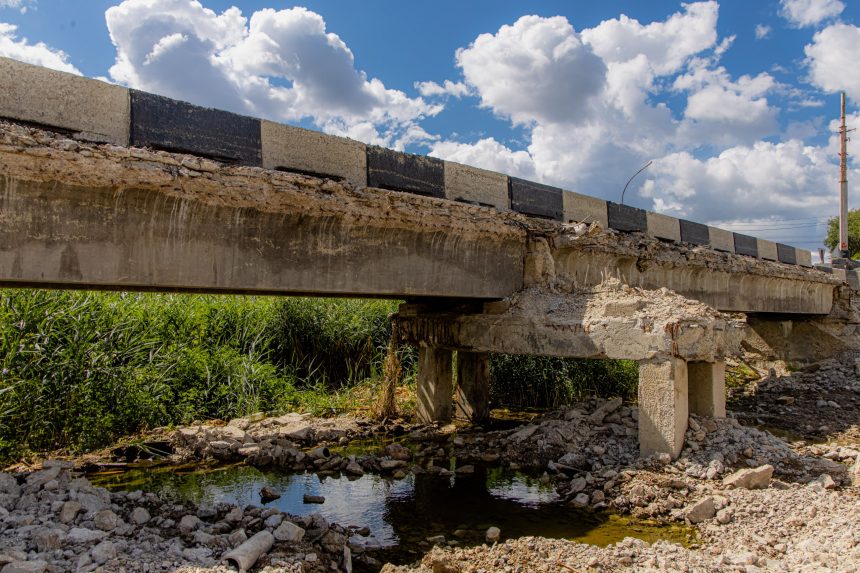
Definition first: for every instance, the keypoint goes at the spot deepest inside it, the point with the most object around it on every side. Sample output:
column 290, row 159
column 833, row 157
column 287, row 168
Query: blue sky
column 734, row 102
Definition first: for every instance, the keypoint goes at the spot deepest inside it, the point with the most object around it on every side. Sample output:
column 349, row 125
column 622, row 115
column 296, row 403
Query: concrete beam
column 434, row 385
column 728, row 284
column 102, row 217
column 473, row 386
column 707, row 388
column 663, row 407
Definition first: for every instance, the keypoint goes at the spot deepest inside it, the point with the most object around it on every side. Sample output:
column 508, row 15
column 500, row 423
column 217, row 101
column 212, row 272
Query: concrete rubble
column 52, row 521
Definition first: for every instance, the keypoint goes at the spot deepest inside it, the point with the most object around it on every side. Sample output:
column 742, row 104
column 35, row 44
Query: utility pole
column 842, row 252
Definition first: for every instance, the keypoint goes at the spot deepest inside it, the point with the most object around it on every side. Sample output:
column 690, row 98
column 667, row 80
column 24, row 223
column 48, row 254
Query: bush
column 80, row 369
column 539, row 382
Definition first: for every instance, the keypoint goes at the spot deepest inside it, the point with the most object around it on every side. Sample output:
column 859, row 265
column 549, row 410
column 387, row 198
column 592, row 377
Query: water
column 401, row 514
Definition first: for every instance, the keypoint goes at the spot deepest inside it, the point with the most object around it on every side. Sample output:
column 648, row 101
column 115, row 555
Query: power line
column 778, row 228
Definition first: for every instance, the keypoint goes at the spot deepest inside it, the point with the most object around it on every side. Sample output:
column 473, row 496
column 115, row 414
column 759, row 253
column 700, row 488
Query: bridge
column 103, row 187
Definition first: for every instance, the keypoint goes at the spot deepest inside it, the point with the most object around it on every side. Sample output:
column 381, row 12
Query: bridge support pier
column 663, row 406
column 707, row 388
column 473, row 386
column 435, row 386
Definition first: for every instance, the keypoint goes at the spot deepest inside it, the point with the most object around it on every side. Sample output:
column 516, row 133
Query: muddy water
column 401, row 514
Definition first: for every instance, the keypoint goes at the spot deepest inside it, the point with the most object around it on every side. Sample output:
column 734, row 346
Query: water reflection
column 401, row 514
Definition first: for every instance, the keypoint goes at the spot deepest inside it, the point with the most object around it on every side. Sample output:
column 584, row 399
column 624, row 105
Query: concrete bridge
column 102, row 187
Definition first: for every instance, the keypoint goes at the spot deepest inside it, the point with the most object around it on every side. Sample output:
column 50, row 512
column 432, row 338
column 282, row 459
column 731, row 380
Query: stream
column 401, row 514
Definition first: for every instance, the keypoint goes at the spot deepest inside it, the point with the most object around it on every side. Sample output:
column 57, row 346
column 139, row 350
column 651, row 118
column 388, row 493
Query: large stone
column 48, row 539
column 189, row 523
column 38, row 566
column 69, row 511
column 103, row 552
column 701, row 510
column 36, row 480
column 751, row 478
column 288, row 531
column 139, row 516
column 83, row 535
column 94, row 500
column 605, row 409
column 106, row 520
column 9, row 485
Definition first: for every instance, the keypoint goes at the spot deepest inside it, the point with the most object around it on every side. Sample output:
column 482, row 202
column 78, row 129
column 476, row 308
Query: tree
column 832, row 239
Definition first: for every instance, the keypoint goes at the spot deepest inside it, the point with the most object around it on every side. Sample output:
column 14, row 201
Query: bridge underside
column 77, row 215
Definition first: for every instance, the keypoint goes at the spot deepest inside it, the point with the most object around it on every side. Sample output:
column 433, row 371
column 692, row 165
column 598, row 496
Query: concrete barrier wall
column 97, row 111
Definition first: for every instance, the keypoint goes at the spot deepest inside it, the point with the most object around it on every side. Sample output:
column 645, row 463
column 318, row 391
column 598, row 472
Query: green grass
column 79, row 370
column 534, row 381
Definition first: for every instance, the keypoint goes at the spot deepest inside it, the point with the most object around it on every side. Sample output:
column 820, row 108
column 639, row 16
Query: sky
column 734, row 103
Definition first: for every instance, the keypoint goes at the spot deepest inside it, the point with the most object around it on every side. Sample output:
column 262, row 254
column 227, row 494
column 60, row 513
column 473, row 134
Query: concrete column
column 435, row 385
column 707, row 382
column 663, row 408
column 473, row 386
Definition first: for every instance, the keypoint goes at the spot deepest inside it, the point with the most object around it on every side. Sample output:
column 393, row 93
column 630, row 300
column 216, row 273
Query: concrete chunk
column 663, row 226
column 473, row 185
column 701, row 510
column 582, row 208
column 752, row 478
column 766, row 249
column 95, row 110
column 292, row 148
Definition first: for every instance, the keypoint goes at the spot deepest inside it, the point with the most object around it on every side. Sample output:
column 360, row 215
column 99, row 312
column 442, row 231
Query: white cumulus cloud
column 781, row 180
column 449, row 88
column 803, row 13
column 534, row 70
column 832, row 59
column 488, row 154
column 282, row 65
column 40, row 54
